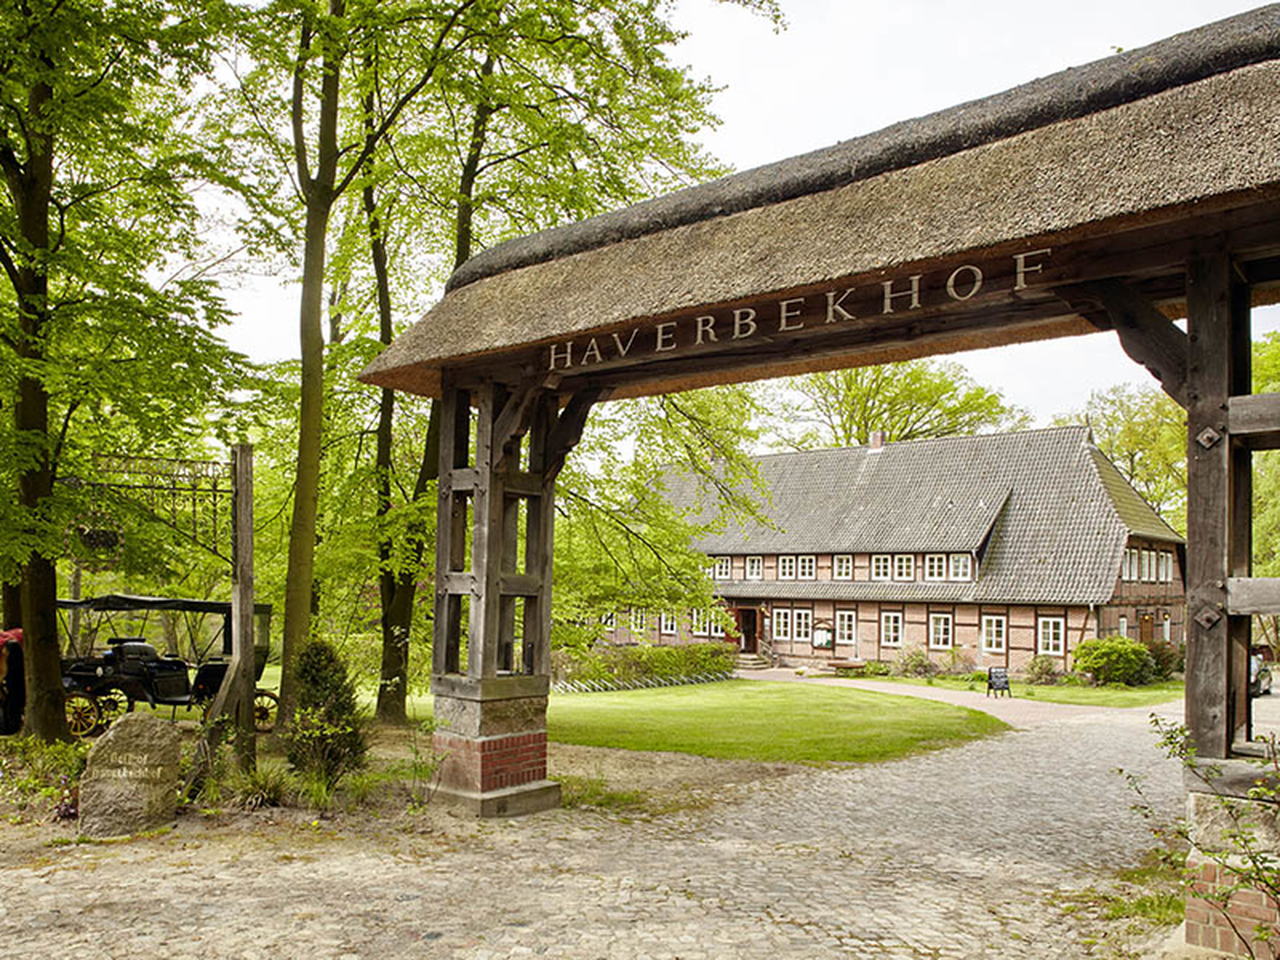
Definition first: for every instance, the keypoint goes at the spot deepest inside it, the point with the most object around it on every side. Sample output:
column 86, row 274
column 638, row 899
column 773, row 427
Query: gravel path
column 959, row 853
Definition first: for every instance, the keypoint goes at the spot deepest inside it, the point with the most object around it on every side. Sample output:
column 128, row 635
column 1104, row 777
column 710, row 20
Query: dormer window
column 904, row 566
column 723, row 568
column 786, row 568
column 881, row 566
column 961, row 566
column 755, row 568
column 807, row 567
column 935, row 566
column 842, row 566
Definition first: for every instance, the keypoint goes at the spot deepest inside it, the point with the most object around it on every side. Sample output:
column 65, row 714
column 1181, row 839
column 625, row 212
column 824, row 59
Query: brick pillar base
column 1230, row 928
column 492, row 734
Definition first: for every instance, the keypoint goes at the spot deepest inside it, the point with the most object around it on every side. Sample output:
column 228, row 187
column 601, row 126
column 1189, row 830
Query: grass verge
column 1110, row 696
column 761, row 721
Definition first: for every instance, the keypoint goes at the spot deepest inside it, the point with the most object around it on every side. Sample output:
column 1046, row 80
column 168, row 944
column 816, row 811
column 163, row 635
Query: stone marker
column 130, row 782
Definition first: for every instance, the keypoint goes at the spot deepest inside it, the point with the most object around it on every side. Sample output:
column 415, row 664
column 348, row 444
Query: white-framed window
column 1166, row 629
column 1123, row 627
column 847, row 627
column 782, row 623
column 935, row 566
column 807, row 567
column 699, row 620
column 608, row 620
column 802, row 624
column 995, row 629
column 755, row 568
column 891, row 629
column 787, row 568
column 715, row 626
column 1050, row 634
column 939, row 631
column 637, row 621
column 1166, row 567
column 723, row 569
column 842, row 566
column 667, row 624
column 904, row 566
column 1148, row 571
column 961, row 566
column 881, row 566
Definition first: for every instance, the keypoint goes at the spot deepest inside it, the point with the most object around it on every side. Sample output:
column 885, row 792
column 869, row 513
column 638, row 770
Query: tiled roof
column 1046, row 511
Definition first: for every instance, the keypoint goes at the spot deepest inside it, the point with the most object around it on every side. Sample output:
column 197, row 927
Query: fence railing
column 643, row 683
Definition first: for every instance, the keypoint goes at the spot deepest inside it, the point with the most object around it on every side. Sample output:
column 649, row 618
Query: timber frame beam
column 1147, row 335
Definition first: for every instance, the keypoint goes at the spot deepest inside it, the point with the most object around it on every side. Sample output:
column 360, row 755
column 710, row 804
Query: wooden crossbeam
column 1147, row 335
column 1253, row 596
column 1255, row 420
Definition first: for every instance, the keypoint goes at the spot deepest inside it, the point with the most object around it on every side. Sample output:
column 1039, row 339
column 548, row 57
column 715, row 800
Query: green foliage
column 595, row 792
column 643, row 661
column 326, row 737
column 267, row 785
column 877, row 668
column 1115, row 660
column 33, row 770
column 912, row 400
column 1167, row 659
column 914, row 663
column 1042, row 669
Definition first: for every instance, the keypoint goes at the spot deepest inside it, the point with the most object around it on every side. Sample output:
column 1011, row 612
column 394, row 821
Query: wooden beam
column 513, row 421
column 1253, row 596
column 568, row 428
column 1208, row 323
column 1254, row 419
column 1146, row 334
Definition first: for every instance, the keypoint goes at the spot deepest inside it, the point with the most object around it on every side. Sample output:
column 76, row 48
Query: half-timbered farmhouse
column 984, row 550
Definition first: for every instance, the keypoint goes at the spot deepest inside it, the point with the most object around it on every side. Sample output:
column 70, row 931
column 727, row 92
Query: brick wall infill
column 1213, row 925
column 484, row 764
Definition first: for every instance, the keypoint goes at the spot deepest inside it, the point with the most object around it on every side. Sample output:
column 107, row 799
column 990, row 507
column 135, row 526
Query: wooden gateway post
column 1120, row 196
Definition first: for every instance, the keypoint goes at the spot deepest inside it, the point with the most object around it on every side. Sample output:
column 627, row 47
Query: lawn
column 754, row 720
column 1111, row 696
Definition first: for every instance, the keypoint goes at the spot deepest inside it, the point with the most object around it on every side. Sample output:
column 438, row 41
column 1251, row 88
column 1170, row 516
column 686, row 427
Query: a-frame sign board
column 1116, row 196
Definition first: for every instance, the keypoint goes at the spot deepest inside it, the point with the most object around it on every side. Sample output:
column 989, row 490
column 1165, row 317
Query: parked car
column 1259, row 676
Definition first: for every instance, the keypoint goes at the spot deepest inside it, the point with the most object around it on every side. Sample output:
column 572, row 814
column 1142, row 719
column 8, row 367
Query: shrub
column 1167, row 657
column 915, row 663
column 327, row 736
column 643, row 660
column 876, row 668
column 1115, row 660
column 1042, row 669
column 959, row 663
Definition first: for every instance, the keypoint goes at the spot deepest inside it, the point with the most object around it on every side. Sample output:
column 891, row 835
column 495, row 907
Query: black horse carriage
column 99, row 687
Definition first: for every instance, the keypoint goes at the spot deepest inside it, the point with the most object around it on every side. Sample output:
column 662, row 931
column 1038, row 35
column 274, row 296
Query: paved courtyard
column 960, row 853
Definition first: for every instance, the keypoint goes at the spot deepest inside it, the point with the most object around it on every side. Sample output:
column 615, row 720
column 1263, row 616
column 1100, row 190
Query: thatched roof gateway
column 965, row 228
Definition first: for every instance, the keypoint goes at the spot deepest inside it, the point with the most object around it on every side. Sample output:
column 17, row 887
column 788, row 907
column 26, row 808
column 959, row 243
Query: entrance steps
column 752, row 661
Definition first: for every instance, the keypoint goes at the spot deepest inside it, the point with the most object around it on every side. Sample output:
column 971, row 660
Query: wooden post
column 235, row 696
column 242, row 660
column 1218, row 506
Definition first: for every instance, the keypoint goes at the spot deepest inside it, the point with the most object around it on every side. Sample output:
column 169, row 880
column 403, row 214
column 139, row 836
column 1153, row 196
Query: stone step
column 752, row 661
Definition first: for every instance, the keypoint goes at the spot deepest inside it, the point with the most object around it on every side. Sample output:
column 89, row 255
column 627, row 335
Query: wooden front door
column 1146, row 628
column 748, row 629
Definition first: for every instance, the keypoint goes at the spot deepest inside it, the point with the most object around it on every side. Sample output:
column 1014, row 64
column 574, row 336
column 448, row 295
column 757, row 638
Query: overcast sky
column 844, row 68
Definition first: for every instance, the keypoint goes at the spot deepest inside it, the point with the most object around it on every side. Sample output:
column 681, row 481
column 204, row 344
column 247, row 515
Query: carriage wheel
column 264, row 710
column 83, row 715
column 111, row 704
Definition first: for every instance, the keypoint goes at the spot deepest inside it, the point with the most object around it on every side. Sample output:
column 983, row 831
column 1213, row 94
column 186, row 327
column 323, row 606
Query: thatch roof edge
column 1076, row 92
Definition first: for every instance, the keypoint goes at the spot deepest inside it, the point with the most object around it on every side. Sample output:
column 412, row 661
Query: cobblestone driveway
column 957, row 853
